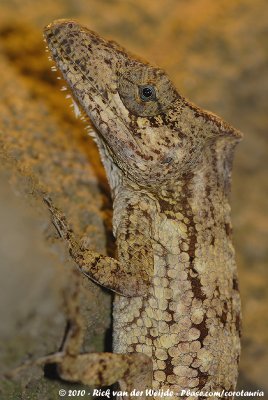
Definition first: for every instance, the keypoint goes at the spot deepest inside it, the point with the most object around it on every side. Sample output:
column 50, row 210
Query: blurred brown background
column 216, row 53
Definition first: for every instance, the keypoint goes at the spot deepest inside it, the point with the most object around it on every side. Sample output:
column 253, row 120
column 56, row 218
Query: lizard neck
column 199, row 198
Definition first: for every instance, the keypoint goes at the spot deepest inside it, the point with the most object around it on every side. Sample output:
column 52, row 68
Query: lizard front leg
column 132, row 371
column 104, row 369
column 106, row 271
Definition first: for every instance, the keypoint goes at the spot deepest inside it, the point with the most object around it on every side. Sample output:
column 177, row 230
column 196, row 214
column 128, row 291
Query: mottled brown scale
column 177, row 308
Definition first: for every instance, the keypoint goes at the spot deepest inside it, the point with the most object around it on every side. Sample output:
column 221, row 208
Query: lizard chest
column 187, row 313
column 159, row 325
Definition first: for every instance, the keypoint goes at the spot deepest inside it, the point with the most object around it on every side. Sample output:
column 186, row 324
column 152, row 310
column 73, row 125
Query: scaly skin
column 169, row 165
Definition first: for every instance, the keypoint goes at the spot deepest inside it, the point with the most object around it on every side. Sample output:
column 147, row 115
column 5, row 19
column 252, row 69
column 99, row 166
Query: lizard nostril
column 167, row 160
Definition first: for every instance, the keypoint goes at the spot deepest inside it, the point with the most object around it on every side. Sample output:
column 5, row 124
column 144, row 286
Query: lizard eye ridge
column 147, row 93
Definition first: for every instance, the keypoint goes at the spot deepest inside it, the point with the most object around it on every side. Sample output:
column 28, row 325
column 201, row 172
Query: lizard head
column 143, row 124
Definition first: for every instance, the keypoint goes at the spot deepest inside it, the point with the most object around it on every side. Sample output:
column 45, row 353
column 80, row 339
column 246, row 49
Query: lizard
column 176, row 311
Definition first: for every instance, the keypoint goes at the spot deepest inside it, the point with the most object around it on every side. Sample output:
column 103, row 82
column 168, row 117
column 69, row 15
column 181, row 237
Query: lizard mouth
column 80, row 54
column 70, row 55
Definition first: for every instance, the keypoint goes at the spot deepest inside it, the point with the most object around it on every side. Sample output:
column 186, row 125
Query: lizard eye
column 147, row 93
